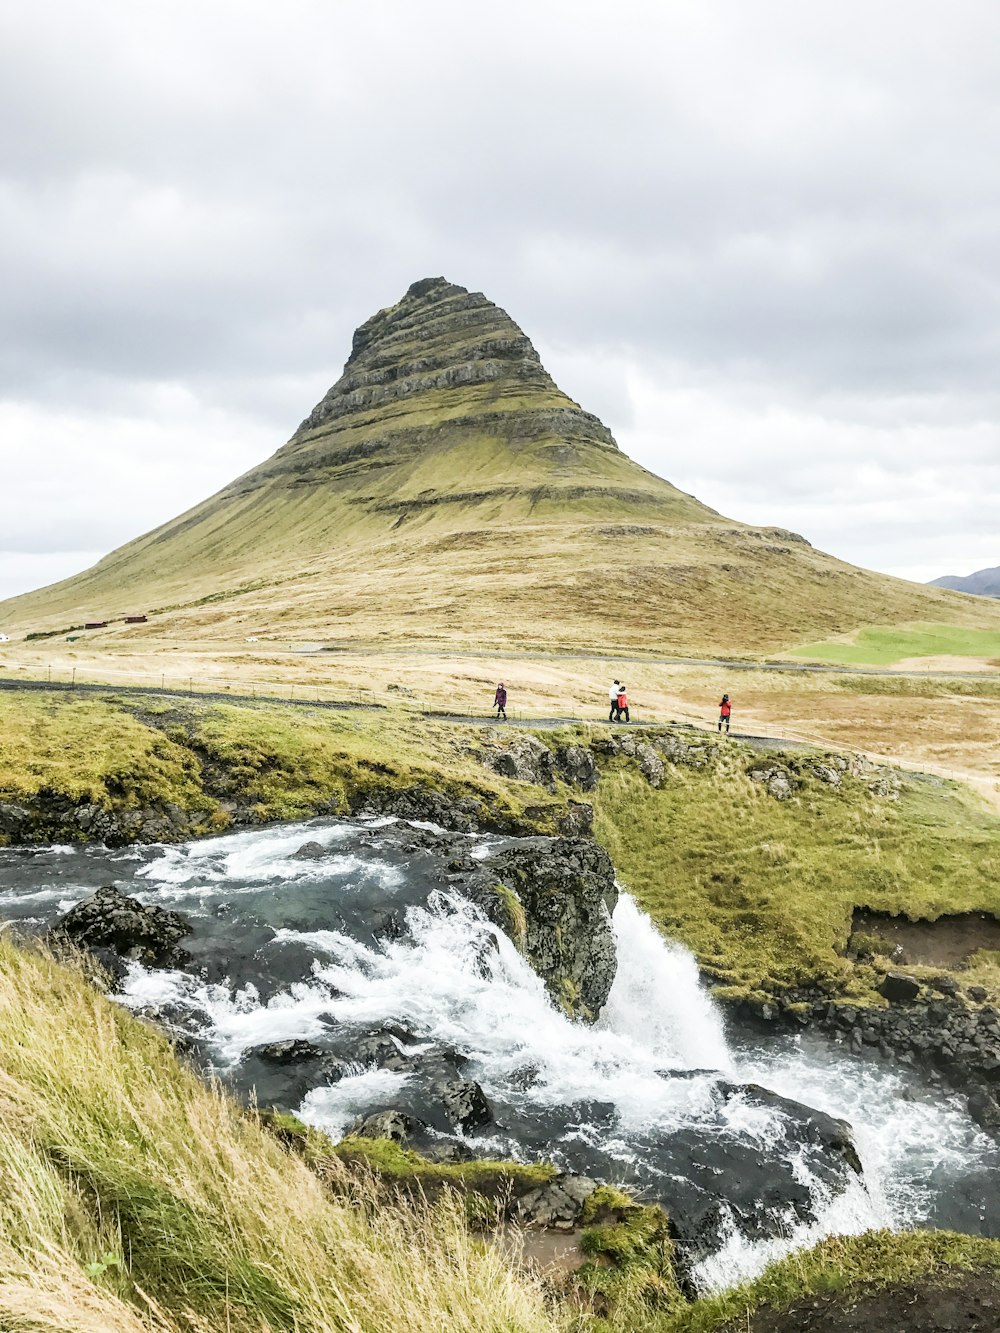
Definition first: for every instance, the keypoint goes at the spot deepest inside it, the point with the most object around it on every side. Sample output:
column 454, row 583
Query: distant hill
column 984, row 582
column 446, row 492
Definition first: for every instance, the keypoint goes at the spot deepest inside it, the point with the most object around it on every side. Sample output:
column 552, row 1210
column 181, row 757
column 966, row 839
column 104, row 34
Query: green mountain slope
column 445, row 490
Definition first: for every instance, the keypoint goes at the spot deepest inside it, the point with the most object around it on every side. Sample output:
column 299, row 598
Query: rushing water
column 365, row 935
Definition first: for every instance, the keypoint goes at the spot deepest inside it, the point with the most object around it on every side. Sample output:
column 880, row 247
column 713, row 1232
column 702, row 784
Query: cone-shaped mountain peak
column 446, row 490
column 443, row 368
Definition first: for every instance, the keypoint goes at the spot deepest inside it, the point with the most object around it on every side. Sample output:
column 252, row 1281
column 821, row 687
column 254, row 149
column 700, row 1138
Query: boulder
column 310, row 851
column 394, row 1125
column 465, row 1104
column 567, row 889
column 984, row 1110
column 111, row 920
column 290, row 1052
column 556, row 1205
column 578, row 821
column 526, row 759
column 650, row 764
column 776, row 781
column 576, row 765
column 886, row 786
column 898, row 988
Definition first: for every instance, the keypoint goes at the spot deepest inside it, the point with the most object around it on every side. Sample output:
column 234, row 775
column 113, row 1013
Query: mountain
column 446, row 491
column 984, row 582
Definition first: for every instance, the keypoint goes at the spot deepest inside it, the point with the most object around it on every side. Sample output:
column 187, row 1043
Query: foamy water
column 307, row 961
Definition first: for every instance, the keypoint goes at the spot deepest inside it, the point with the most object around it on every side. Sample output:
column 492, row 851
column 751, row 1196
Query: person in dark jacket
column 500, row 702
column 613, row 698
column 725, row 708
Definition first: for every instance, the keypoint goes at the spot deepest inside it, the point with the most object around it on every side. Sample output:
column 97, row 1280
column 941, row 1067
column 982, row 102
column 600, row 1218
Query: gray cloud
column 723, row 225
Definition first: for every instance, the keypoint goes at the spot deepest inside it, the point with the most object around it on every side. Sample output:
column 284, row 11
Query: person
column 500, row 701
column 621, row 703
column 613, row 696
column 725, row 708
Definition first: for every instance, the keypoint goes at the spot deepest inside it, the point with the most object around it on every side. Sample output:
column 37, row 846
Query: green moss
column 402, row 1166
column 630, row 1272
column 516, row 921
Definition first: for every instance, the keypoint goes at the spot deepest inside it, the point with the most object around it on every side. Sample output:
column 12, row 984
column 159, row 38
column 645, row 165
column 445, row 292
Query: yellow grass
column 134, row 1197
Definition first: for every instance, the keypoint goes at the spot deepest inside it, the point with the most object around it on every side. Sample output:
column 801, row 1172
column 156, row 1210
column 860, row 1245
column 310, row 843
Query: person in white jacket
column 613, row 696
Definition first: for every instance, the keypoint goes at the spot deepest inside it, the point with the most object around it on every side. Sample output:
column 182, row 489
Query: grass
column 278, row 763
column 885, row 645
column 763, row 890
column 133, row 1196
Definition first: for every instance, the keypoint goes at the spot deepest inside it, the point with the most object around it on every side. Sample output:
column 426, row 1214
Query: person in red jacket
column 500, row 702
column 725, row 708
column 621, row 704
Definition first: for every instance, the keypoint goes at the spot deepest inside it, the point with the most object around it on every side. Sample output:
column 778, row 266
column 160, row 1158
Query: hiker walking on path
column 613, row 696
column 725, row 708
column 500, row 702
column 621, row 703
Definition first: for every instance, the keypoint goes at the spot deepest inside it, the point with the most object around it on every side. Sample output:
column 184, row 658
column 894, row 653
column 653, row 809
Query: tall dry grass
column 134, row 1197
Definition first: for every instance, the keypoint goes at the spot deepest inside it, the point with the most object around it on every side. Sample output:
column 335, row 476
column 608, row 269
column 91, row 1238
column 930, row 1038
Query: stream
column 366, row 934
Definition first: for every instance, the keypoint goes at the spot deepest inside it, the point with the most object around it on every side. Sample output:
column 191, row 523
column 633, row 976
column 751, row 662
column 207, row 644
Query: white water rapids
column 454, row 980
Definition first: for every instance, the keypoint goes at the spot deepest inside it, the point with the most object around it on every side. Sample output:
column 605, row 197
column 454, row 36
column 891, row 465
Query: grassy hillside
column 762, row 890
column 446, row 491
column 135, row 1197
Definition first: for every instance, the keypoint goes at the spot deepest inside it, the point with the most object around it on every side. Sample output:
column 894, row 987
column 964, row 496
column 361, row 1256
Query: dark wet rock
column 985, row 1111
column 382, row 1047
column 977, row 993
column 898, row 988
column 465, row 1104
column 290, row 1052
column 557, row 1205
column 394, row 1125
column 567, row 889
column 804, row 1124
column 111, row 920
column 719, row 1179
column 422, row 803
column 944, row 985
column 310, row 851
column 576, row 765
column 650, row 764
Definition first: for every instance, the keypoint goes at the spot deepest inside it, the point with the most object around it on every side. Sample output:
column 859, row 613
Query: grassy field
column 889, row 645
column 763, row 890
column 941, row 725
column 284, row 764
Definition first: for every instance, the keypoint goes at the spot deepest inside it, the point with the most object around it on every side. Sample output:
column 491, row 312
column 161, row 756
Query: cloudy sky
column 760, row 238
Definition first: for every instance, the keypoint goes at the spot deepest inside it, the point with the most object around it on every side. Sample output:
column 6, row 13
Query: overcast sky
column 760, row 238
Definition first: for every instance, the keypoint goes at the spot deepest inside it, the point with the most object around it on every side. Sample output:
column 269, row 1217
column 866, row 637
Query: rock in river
column 111, row 920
